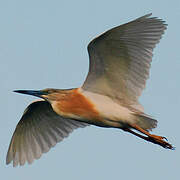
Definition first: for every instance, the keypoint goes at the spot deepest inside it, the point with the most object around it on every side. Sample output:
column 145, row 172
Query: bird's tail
column 145, row 121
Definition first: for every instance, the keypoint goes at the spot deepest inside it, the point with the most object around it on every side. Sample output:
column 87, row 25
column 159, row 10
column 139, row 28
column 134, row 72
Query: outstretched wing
column 120, row 59
column 39, row 129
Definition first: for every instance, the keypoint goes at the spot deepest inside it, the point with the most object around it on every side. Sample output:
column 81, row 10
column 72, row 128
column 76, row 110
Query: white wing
column 120, row 59
column 39, row 129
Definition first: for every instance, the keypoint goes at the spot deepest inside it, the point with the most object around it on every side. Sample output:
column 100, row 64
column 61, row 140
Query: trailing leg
column 149, row 137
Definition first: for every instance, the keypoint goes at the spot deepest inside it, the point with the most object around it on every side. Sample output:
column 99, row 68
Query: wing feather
column 39, row 129
column 120, row 59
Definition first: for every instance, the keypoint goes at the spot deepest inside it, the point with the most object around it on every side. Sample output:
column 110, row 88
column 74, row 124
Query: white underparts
column 108, row 109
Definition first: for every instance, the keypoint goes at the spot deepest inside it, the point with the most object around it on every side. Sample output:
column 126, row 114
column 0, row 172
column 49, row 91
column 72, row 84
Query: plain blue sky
column 43, row 44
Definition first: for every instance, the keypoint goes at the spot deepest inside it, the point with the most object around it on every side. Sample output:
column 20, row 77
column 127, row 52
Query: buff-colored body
column 92, row 108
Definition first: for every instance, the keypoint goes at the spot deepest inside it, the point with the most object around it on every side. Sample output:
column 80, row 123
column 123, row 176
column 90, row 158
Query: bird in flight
column 120, row 60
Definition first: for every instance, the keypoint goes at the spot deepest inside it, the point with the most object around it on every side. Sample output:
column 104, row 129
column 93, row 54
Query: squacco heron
column 120, row 61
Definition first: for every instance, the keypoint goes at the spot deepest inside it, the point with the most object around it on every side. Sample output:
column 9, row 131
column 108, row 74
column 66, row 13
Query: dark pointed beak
column 30, row 92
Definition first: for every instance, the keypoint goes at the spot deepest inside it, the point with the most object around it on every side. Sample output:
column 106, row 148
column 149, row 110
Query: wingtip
column 145, row 16
column 8, row 161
